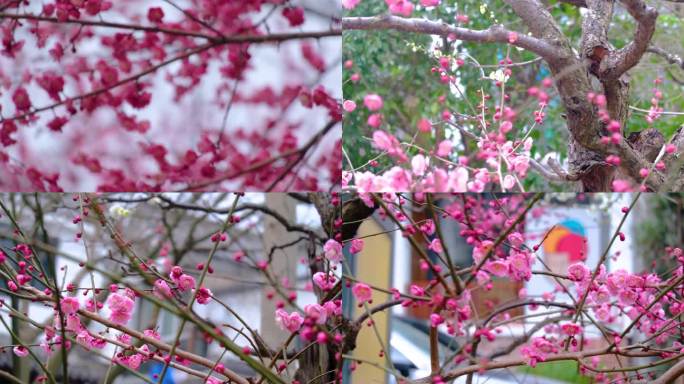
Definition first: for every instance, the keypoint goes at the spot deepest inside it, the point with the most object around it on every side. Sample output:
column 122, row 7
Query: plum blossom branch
column 133, row 346
column 227, row 223
column 235, row 39
column 100, row 23
column 154, row 68
column 650, row 302
column 503, row 236
column 603, row 258
column 297, row 152
column 182, row 311
column 495, row 33
column 48, row 374
column 571, row 74
column 150, row 340
column 119, row 83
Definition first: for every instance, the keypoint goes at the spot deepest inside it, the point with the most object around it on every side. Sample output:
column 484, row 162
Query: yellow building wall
column 373, row 266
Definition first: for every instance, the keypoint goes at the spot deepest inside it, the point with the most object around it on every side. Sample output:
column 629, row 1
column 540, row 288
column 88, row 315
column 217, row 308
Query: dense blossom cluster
column 96, row 109
column 629, row 313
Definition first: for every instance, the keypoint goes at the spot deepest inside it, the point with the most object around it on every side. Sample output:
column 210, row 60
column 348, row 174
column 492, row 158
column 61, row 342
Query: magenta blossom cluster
column 592, row 315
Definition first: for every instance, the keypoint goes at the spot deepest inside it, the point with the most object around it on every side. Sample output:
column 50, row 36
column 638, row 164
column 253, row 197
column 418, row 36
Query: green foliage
column 390, row 66
column 565, row 371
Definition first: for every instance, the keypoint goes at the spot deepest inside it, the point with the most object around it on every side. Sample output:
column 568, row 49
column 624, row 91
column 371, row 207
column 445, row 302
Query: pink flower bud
column 436, row 319
column 373, row 102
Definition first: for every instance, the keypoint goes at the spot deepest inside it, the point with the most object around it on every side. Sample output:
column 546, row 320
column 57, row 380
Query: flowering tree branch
column 203, row 49
column 600, row 157
column 495, row 33
column 103, row 319
column 297, row 154
column 238, row 39
column 587, row 318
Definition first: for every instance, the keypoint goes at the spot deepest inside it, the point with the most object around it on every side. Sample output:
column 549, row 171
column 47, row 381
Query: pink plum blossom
column 512, row 37
column 20, row 351
column 324, row 281
column 419, row 165
column 69, row 305
column 436, row 245
column 356, row 246
column 362, row 292
column 436, row 319
column 375, row 120
column 373, row 102
column 571, row 329
column 203, row 295
column 288, row 321
column 497, row 268
column 400, row 7
column 444, row 148
column 578, row 271
column 349, row 105
column 333, row 251
column 316, row 312
column 121, row 307
column 161, row 289
column 185, row 282
column 508, row 182
column 424, row 125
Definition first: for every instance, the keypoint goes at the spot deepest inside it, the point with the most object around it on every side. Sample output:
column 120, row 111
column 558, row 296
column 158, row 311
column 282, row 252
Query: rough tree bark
column 596, row 67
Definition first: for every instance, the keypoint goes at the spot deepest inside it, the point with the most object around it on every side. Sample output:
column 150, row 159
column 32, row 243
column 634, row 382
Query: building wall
column 374, row 267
